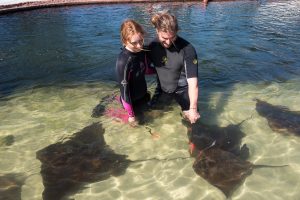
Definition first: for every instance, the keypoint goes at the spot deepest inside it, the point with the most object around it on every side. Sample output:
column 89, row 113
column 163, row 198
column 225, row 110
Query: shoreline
column 36, row 4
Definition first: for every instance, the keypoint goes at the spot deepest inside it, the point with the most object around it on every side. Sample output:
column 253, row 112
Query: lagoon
column 57, row 63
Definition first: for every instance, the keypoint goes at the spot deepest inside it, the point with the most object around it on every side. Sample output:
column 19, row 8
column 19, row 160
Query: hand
column 193, row 115
column 131, row 119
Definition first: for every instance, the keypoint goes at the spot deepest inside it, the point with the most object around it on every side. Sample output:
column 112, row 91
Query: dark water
column 236, row 42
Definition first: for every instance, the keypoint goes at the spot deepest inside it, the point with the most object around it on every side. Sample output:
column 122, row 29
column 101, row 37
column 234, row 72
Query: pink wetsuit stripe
column 128, row 108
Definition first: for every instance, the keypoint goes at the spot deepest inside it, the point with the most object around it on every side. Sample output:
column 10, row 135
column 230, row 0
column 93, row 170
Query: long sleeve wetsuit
column 130, row 69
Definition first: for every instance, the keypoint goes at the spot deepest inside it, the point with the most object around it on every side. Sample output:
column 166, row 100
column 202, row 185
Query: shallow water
column 56, row 64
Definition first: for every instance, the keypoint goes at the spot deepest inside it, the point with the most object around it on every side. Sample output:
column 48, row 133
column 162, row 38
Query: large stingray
column 226, row 138
column 10, row 186
column 280, row 119
column 84, row 158
column 223, row 169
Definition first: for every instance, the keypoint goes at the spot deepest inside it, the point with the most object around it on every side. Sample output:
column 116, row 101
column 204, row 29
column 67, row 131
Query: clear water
column 55, row 65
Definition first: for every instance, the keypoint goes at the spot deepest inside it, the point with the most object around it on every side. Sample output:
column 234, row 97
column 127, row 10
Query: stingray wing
column 222, row 169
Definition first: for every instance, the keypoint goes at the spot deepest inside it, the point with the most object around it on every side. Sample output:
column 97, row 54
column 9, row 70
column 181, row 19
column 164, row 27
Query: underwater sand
column 44, row 116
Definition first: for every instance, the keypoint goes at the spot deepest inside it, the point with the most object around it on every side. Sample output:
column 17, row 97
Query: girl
column 131, row 67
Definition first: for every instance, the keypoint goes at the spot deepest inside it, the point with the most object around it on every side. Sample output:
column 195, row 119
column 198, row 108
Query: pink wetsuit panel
column 128, row 108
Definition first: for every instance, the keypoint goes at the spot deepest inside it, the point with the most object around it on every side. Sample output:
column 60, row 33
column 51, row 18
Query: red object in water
column 117, row 113
column 191, row 148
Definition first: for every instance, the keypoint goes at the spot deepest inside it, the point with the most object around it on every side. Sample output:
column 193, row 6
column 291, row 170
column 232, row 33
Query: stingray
column 84, row 158
column 10, row 186
column 227, row 138
column 223, row 169
column 280, row 119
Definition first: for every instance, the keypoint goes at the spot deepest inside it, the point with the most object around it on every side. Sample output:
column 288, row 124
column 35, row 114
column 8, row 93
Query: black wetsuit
column 130, row 70
column 174, row 66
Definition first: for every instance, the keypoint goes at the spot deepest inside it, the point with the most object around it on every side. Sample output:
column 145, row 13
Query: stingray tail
column 269, row 166
column 160, row 160
column 239, row 124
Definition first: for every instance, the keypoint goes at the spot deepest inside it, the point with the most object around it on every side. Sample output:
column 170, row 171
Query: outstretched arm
column 193, row 114
column 191, row 64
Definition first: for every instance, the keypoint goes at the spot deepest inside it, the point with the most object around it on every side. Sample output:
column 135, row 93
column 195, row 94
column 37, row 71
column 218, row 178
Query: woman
column 176, row 64
column 131, row 67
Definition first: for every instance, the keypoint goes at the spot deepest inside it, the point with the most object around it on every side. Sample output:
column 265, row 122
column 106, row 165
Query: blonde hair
column 165, row 22
column 128, row 28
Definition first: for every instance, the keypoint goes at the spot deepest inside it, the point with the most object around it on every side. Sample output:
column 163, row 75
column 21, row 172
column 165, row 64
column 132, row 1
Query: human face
column 166, row 38
column 135, row 43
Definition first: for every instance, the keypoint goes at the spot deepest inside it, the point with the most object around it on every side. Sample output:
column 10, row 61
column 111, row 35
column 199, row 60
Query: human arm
column 193, row 114
column 191, row 65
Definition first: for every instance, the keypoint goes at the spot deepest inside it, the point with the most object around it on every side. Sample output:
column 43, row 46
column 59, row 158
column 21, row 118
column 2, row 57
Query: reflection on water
column 56, row 64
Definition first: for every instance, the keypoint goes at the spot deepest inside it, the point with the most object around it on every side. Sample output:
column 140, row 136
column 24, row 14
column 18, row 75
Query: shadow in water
column 84, row 158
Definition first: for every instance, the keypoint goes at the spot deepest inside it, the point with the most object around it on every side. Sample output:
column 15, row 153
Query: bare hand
column 193, row 115
column 132, row 121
